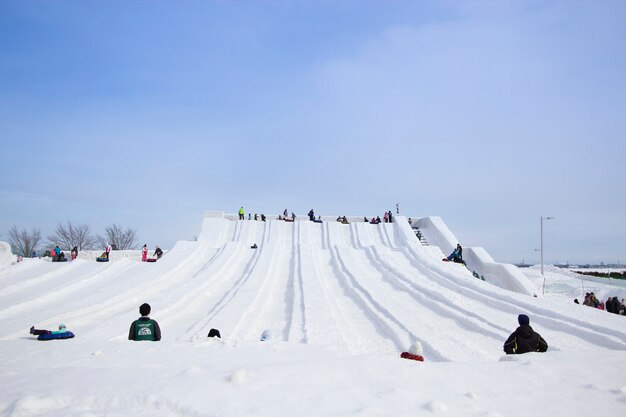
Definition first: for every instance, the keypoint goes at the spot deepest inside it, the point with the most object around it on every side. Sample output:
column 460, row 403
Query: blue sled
column 52, row 336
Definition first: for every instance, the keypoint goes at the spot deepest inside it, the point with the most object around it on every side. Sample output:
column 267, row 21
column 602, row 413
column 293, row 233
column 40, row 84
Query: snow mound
column 6, row 257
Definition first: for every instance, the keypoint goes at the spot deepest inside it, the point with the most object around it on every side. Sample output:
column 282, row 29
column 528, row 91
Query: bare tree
column 119, row 238
column 24, row 242
column 68, row 236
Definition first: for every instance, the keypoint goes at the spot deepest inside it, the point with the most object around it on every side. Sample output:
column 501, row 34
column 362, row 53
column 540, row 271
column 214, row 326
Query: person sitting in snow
column 214, row 333
column 456, row 255
column 524, row 339
column 144, row 328
column 415, row 352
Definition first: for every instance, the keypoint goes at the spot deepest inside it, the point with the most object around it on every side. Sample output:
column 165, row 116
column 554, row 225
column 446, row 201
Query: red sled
column 446, row 260
column 151, row 260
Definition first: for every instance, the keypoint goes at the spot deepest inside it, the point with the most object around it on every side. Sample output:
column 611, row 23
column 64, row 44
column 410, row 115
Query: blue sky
column 489, row 114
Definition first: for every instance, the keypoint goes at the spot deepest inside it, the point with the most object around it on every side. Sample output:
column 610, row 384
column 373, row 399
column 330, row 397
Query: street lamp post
column 543, row 291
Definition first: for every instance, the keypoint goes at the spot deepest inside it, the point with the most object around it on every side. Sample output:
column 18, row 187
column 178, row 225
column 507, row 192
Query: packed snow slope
column 341, row 303
column 359, row 288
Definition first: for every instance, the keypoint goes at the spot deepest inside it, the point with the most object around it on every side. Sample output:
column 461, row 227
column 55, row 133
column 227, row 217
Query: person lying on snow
column 415, row 353
column 524, row 339
column 62, row 331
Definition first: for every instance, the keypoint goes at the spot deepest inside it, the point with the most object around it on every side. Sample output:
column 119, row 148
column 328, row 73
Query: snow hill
column 334, row 297
column 367, row 288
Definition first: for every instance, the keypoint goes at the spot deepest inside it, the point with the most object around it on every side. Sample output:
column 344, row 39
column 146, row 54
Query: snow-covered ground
column 341, row 301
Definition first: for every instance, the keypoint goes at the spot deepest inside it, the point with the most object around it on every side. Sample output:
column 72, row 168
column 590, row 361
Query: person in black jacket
column 144, row 328
column 524, row 339
column 158, row 252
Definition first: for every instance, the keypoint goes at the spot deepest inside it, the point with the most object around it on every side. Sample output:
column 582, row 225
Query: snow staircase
column 420, row 236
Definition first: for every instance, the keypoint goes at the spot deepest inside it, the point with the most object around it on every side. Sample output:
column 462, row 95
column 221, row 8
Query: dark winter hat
column 144, row 309
column 214, row 333
column 523, row 320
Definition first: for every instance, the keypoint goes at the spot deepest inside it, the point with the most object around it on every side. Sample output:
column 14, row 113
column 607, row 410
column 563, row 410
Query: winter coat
column 57, row 250
column 617, row 305
column 525, row 339
column 142, row 321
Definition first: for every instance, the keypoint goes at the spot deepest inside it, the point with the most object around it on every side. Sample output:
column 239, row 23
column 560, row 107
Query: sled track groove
column 504, row 303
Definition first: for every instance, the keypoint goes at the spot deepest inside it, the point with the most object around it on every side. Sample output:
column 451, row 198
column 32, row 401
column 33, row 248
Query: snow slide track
column 426, row 294
column 503, row 302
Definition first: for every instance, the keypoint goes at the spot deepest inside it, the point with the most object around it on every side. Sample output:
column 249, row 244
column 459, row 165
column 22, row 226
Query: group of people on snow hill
column 612, row 305
column 242, row 215
column 57, row 254
column 591, row 300
column 388, row 217
column 144, row 328
column 615, row 306
column 523, row 340
column 158, row 252
column 285, row 216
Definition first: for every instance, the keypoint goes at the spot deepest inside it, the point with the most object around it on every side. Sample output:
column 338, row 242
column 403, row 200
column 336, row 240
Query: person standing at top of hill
column 158, row 252
column 312, row 215
column 144, row 328
column 390, row 217
column 241, row 213
column 144, row 253
column 524, row 339
column 386, row 217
